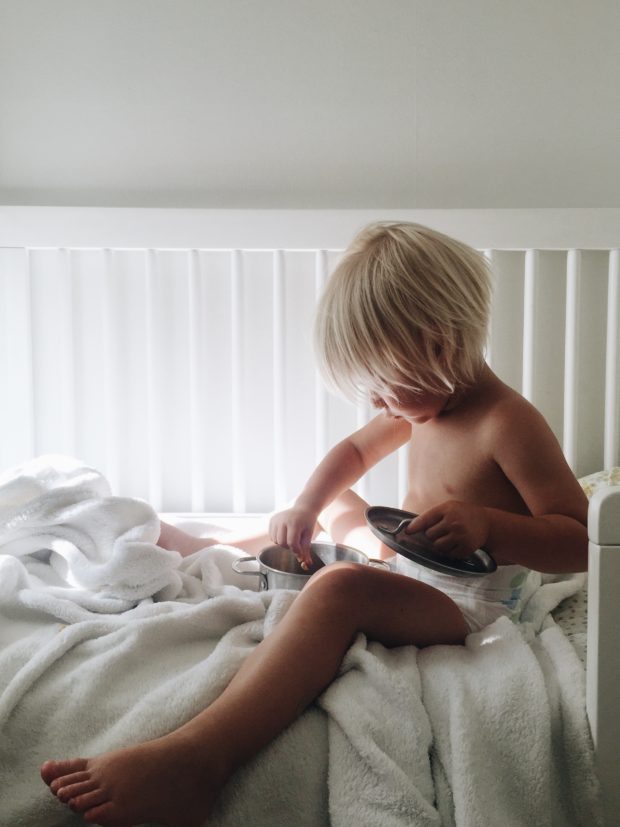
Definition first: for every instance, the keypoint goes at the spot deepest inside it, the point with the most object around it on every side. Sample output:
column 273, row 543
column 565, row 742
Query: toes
column 47, row 771
column 68, row 780
column 88, row 800
column 68, row 791
column 55, row 769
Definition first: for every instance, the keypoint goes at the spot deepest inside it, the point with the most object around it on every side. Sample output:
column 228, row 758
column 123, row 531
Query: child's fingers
column 437, row 531
column 303, row 549
column 305, row 561
column 277, row 531
column 454, row 544
column 434, row 529
column 293, row 535
column 278, row 535
column 304, row 542
column 296, row 543
column 424, row 521
column 445, row 545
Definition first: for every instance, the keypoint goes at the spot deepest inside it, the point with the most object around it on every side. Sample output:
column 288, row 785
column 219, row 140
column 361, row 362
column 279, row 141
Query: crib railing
column 186, row 374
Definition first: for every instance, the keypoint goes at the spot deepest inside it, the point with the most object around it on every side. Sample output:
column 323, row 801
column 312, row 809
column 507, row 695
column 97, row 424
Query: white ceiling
column 299, row 103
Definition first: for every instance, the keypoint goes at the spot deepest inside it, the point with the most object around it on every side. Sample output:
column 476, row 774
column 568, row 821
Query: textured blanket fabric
column 509, row 731
column 98, row 651
column 78, row 544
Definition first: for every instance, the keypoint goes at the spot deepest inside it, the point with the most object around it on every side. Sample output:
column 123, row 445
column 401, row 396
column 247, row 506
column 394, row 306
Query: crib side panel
column 603, row 655
column 186, row 374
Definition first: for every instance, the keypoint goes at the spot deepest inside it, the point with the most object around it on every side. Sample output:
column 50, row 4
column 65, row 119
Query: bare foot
column 165, row 781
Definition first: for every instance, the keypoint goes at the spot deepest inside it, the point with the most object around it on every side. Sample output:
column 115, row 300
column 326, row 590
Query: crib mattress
column 572, row 616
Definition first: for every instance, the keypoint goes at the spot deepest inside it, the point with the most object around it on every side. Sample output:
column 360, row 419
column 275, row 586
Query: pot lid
column 384, row 523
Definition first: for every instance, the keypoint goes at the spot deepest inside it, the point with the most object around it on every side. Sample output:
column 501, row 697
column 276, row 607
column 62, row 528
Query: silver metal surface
column 278, row 568
column 388, row 525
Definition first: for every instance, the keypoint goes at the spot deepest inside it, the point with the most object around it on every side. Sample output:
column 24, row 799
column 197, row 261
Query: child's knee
column 339, row 581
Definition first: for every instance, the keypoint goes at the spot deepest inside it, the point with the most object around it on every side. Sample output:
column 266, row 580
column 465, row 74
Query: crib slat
column 279, row 380
column 506, row 324
column 320, row 392
column 51, row 324
column 236, row 343
column 490, row 257
column 571, row 362
column 529, row 322
column 69, row 348
column 111, row 392
column 28, row 378
column 18, row 407
column 153, row 426
column 215, row 383
column 196, row 384
column 612, row 414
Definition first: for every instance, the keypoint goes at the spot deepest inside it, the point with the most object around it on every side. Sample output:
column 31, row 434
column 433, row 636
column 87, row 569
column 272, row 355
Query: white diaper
column 480, row 599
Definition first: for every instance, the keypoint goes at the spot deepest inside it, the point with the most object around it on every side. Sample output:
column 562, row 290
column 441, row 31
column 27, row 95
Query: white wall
column 310, row 103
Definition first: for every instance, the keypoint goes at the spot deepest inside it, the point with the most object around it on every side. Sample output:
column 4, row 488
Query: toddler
column 403, row 320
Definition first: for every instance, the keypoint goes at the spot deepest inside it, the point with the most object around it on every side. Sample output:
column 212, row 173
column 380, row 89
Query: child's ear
column 376, row 401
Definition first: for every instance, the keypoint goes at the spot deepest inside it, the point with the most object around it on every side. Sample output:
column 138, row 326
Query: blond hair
column 406, row 308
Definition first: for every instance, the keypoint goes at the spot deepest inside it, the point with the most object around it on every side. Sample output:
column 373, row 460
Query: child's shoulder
column 506, row 401
column 516, row 434
column 506, row 412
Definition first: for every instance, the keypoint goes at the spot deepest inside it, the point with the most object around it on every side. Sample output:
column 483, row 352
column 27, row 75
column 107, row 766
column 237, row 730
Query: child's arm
column 554, row 538
column 342, row 466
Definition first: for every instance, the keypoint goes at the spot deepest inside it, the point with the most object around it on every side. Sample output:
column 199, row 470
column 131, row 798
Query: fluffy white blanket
column 105, row 639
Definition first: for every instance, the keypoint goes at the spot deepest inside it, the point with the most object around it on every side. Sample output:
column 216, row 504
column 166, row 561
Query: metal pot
column 278, row 568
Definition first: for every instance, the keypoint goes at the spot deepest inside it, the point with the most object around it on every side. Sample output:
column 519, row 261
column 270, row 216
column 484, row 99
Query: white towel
column 77, row 545
column 153, row 639
column 511, row 739
column 379, row 740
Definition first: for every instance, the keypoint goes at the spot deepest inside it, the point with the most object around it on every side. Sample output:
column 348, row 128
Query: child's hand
column 455, row 528
column 293, row 528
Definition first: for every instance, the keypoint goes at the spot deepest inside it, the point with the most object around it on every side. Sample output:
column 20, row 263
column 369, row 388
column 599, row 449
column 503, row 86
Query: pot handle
column 262, row 578
column 379, row 564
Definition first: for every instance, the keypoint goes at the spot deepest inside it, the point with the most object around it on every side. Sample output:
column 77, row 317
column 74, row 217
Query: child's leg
column 175, row 539
column 345, row 523
column 175, row 779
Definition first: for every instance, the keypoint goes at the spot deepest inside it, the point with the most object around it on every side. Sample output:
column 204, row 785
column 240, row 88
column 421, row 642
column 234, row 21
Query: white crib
column 171, row 350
